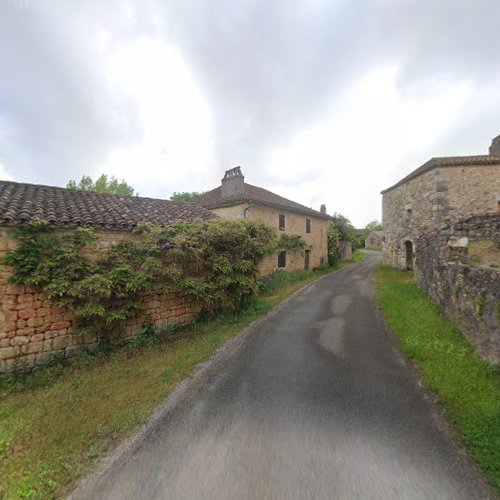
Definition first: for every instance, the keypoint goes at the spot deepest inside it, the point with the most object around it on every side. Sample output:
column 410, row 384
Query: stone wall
column 316, row 240
column 33, row 330
column 438, row 196
column 468, row 293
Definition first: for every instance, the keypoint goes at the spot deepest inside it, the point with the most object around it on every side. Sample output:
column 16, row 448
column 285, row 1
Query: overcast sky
column 319, row 101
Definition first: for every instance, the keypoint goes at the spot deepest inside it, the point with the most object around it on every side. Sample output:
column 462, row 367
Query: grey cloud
column 60, row 114
column 268, row 70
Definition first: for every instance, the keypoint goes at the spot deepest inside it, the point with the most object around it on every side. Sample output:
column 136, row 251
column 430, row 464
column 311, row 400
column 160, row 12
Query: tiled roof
column 23, row 203
column 256, row 195
column 447, row 161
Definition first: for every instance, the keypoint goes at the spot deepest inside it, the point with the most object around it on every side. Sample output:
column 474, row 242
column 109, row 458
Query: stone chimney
column 495, row 147
column 323, row 209
column 233, row 183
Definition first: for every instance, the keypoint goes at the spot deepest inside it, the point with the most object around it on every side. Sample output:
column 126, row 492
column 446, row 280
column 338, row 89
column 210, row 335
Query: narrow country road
column 316, row 403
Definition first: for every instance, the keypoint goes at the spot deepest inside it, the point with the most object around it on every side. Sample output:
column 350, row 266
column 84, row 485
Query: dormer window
column 281, row 222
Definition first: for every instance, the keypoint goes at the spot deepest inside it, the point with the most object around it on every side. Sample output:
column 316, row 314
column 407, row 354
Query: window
column 282, row 259
column 281, row 222
column 308, row 225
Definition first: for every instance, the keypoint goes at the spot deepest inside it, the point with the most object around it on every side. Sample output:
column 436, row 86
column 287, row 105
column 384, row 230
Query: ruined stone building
column 440, row 191
column 235, row 199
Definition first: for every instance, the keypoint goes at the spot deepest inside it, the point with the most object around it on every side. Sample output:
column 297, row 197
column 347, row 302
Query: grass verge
column 55, row 422
column 467, row 387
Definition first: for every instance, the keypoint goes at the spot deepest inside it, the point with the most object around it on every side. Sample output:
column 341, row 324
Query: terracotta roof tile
column 257, row 195
column 23, row 203
column 447, row 161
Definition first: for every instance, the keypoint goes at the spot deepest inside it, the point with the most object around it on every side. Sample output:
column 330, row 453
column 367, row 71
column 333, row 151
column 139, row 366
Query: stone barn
column 440, row 191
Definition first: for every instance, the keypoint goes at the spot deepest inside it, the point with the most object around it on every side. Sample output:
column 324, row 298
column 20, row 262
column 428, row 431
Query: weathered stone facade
column 442, row 190
column 235, row 199
column 33, row 330
column 316, row 241
column 465, row 289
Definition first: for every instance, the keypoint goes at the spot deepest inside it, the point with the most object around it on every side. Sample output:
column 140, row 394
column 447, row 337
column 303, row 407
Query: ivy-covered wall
column 465, row 287
column 33, row 329
column 62, row 289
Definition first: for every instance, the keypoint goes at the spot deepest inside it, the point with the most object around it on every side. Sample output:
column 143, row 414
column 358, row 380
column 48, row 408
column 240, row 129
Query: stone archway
column 409, row 255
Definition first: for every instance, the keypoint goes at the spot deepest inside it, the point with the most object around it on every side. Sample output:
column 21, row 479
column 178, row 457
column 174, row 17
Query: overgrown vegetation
column 214, row 262
column 185, row 195
column 339, row 230
column 102, row 185
column 467, row 387
column 55, row 422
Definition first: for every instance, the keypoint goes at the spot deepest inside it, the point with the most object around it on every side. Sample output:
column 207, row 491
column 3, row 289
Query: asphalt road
column 315, row 403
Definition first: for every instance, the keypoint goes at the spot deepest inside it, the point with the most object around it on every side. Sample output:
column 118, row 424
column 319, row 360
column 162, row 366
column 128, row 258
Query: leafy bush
column 215, row 262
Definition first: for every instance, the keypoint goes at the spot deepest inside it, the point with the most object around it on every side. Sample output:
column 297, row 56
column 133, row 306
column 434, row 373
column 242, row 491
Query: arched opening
column 409, row 255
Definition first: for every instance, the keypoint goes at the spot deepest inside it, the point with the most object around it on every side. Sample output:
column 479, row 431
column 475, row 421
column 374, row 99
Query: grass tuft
column 467, row 386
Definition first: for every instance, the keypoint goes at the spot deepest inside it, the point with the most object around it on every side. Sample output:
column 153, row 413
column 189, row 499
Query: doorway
column 306, row 260
column 409, row 255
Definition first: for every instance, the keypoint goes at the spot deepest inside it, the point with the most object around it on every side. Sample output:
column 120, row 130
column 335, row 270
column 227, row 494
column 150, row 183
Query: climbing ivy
column 291, row 242
column 214, row 262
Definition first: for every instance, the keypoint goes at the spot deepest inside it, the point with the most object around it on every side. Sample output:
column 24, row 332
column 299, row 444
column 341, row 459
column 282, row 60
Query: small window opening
column 308, row 225
column 282, row 259
column 281, row 222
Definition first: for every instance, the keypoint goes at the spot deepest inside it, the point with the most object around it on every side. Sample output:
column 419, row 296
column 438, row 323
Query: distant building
column 440, row 191
column 375, row 239
column 235, row 199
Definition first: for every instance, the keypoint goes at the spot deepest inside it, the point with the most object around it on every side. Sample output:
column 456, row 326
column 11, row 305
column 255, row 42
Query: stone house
column 235, row 199
column 32, row 329
column 375, row 239
column 440, row 191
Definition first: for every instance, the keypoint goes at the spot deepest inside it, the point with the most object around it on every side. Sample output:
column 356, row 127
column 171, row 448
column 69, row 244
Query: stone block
column 61, row 342
column 9, row 352
column 60, row 325
column 43, row 358
column 19, row 340
column 26, row 314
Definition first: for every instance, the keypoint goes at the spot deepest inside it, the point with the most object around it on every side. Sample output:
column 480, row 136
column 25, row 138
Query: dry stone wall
column 33, row 330
column 468, row 294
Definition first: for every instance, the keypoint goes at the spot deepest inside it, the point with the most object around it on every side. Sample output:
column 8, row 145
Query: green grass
column 55, row 422
column 467, row 387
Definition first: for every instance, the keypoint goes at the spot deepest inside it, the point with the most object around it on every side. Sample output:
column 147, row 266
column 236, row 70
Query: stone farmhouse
column 236, row 199
column 32, row 329
column 441, row 191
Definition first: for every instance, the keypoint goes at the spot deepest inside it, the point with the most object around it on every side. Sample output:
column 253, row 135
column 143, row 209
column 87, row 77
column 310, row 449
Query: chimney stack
column 233, row 183
column 495, row 147
column 323, row 209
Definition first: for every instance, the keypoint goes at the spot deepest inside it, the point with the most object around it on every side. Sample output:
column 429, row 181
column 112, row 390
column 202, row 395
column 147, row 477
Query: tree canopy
column 185, row 195
column 103, row 185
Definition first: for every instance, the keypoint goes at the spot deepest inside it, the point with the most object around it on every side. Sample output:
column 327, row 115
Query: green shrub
column 216, row 263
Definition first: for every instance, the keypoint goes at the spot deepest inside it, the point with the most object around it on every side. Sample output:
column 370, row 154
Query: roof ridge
column 97, row 193
column 287, row 199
